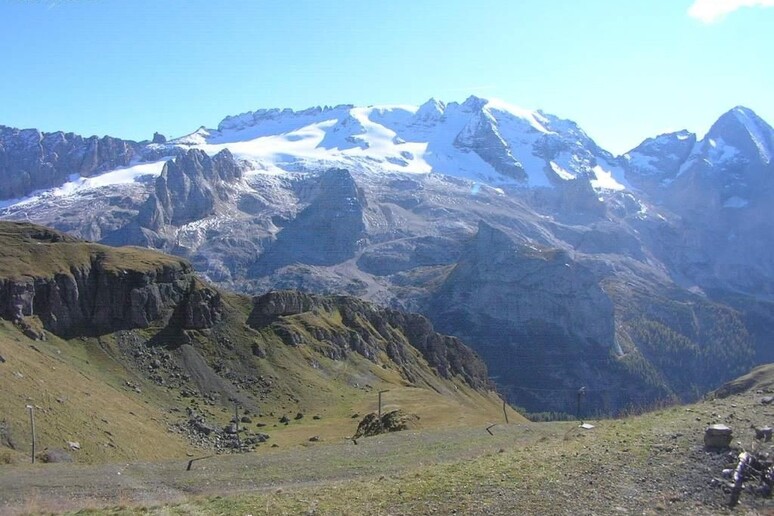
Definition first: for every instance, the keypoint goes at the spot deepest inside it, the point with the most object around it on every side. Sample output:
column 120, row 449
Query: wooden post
column 31, row 408
column 505, row 412
column 236, row 422
column 190, row 462
column 380, row 403
column 581, row 393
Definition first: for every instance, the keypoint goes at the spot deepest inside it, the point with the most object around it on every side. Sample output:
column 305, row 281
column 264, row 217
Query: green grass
column 648, row 464
column 79, row 392
column 30, row 251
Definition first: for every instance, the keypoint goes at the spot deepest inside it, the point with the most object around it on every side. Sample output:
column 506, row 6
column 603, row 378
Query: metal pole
column 31, row 408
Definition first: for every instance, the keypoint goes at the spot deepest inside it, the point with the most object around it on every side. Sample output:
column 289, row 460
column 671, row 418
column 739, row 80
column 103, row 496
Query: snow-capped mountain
column 738, row 140
column 721, row 187
column 484, row 140
column 562, row 264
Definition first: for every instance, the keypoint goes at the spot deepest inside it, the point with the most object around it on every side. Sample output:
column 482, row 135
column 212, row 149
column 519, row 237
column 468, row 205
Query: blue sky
column 624, row 70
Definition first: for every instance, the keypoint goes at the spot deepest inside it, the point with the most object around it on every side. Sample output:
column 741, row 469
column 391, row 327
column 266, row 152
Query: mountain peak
column 743, row 129
column 475, row 103
column 430, row 111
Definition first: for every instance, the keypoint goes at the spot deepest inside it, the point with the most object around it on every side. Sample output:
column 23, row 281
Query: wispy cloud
column 711, row 11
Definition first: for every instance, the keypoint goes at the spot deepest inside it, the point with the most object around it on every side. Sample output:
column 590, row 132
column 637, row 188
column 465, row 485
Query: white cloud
column 710, row 11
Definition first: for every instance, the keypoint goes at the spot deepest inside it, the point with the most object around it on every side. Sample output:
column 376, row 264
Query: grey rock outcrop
column 506, row 280
column 329, row 231
column 31, row 160
column 189, row 188
column 200, row 308
column 524, row 309
column 92, row 295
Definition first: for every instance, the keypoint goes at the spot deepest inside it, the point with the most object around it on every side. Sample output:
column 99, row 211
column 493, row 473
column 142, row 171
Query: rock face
column 94, row 290
column 369, row 331
column 508, row 281
column 188, row 189
column 327, row 232
column 31, row 160
column 527, row 308
column 657, row 161
column 481, row 136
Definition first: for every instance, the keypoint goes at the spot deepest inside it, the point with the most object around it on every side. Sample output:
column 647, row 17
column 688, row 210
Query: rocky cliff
column 369, row 331
column 78, row 288
column 328, row 231
column 31, row 160
column 189, row 188
column 540, row 319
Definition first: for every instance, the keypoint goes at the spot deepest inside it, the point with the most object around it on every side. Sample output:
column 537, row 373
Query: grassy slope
column 648, row 464
column 79, row 387
column 306, row 381
column 80, row 396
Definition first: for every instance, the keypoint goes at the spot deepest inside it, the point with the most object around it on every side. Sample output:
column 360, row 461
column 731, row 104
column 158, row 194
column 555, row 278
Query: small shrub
column 6, row 457
column 5, row 435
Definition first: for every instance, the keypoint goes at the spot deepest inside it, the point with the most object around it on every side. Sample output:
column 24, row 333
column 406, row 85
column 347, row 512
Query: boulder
column 717, row 436
column 763, row 433
column 393, row 421
column 202, row 427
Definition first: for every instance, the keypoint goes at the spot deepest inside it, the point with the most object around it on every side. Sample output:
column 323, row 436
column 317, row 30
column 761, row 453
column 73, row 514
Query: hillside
column 654, row 463
column 126, row 352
